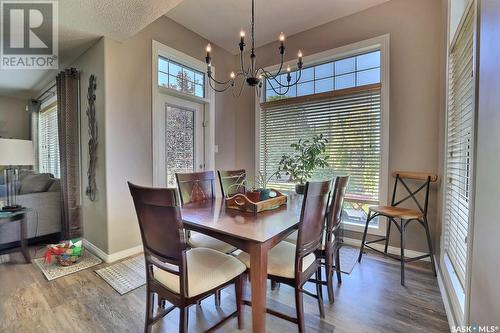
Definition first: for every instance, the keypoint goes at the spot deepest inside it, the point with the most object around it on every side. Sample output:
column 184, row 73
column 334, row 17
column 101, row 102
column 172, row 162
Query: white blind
column 460, row 122
column 48, row 141
column 351, row 121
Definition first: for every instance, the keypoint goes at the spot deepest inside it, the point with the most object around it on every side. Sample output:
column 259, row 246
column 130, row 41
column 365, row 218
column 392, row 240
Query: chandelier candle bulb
column 232, row 75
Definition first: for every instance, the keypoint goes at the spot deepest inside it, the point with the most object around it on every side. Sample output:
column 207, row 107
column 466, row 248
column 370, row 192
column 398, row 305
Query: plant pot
column 265, row 193
column 300, row 188
column 253, row 196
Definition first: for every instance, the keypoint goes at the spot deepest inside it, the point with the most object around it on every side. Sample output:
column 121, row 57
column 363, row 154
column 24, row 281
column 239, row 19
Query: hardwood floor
column 370, row 299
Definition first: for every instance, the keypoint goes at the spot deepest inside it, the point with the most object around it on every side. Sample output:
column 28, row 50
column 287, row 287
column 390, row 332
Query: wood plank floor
column 370, row 299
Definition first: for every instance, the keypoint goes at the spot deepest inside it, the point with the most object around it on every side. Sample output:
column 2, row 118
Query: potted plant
column 257, row 189
column 263, row 183
column 308, row 156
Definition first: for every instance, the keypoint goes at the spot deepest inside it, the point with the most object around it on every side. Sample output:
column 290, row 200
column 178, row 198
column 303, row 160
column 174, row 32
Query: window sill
column 372, row 230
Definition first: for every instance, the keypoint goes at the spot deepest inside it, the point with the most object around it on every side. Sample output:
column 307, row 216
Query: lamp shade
column 16, row 152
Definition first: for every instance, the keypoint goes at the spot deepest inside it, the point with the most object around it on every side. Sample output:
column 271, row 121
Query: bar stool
column 401, row 217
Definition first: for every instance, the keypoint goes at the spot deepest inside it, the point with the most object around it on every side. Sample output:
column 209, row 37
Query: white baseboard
column 390, row 249
column 109, row 258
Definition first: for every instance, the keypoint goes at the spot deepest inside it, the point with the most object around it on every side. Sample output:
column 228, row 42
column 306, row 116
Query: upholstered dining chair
column 197, row 187
column 231, row 181
column 174, row 272
column 295, row 264
column 401, row 217
column 329, row 252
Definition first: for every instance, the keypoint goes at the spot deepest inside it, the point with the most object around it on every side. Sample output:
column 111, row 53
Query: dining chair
column 174, row 272
column 332, row 242
column 198, row 187
column 403, row 216
column 295, row 264
column 231, row 182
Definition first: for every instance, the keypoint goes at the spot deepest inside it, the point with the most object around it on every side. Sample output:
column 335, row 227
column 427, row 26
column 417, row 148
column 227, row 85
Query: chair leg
column 387, row 235
column 217, row 298
column 329, row 276
column 403, row 224
column 183, row 320
column 337, row 266
column 149, row 311
column 364, row 237
column 238, row 290
column 299, row 305
column 429, row 242
column 319, row 293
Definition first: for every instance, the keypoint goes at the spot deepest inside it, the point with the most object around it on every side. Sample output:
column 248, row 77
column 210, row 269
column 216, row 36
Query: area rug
column 126, row 275
column 348, row 258
column 54, row 271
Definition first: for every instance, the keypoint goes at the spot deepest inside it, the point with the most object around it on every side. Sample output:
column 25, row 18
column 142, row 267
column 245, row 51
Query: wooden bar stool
column 401, row 217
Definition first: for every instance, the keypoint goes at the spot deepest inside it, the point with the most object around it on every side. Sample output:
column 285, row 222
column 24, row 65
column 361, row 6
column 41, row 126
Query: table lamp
column 14, row 153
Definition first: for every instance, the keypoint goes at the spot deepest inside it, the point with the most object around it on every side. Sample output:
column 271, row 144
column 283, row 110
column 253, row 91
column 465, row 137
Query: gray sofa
column 42, row 193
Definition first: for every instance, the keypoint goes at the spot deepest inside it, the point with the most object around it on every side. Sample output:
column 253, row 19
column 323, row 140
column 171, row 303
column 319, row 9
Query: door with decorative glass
column 180, row 124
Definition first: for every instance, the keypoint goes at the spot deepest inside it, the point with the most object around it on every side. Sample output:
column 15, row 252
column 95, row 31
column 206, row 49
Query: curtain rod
column 39, row 98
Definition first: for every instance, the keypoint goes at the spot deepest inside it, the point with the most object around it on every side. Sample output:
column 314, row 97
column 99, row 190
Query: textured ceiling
column 82, row 23
column 221, row 20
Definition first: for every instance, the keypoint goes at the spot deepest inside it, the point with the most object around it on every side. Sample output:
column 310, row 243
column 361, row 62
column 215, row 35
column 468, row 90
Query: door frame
column 159, row 49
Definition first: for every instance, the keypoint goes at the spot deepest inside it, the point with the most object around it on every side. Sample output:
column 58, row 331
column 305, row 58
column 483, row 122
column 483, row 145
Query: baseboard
column 390, row 249
column 109, row 258
column 45, row 239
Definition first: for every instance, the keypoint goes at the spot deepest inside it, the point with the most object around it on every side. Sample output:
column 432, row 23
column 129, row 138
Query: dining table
column 254, row 233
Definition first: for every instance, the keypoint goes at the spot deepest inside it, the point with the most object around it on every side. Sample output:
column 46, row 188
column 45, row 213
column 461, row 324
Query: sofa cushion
column 36, row 183
column 55, row 186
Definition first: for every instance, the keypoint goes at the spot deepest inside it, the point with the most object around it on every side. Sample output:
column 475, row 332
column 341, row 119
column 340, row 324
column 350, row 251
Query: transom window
column 355, row 71
column 178, row 77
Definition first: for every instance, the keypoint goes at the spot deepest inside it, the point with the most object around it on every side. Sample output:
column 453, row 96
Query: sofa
column 42, row 193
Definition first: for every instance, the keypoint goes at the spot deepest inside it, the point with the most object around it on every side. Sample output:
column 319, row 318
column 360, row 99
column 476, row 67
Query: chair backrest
column 160, row 221
column 229, row 182
column 334, row 217
column 426, row 178
column 312, row 218
column 196, row 186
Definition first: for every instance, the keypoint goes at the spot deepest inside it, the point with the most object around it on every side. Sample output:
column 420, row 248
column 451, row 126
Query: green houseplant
column 256, row 189
column 308, row 156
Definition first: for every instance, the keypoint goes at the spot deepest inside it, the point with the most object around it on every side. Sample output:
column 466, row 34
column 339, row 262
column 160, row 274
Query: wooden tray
column 242, row 203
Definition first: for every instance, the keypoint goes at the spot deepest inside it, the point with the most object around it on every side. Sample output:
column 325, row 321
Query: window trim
column 159, row 49
column 381, row 43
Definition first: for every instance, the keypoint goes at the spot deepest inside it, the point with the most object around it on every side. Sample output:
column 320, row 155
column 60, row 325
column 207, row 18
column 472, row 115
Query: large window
column 341, row 99
column 181, row 78
column 48, row 141
column 460, row 124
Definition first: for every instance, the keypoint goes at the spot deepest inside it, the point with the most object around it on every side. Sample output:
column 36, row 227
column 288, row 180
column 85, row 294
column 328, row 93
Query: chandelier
column 251, row 74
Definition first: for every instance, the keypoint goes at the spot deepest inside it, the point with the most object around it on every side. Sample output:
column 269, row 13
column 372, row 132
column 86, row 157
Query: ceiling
column 221, row 20
column 81, row 24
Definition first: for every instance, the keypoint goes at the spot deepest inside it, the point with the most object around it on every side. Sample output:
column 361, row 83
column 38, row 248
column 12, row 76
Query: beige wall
column 14, row 119
column 416, row 107
column 93, row 214
column 128, row 119
column 485, row 271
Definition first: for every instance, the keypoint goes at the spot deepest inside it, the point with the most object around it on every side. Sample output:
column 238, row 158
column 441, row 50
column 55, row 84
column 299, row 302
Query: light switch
column 216, row 148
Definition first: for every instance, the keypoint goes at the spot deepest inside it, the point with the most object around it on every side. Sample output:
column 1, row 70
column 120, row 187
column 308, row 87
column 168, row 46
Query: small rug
column 54, row 271
column 348, row 258
column 126, row 275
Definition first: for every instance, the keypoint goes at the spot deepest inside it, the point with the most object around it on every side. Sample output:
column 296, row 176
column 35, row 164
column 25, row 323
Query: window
column 344, row 73
column 341, row 99
column 48, row 141
column 460, row 124
column 178, row 77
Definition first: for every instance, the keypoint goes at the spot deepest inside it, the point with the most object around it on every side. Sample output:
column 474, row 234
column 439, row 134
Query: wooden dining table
column 253, row 233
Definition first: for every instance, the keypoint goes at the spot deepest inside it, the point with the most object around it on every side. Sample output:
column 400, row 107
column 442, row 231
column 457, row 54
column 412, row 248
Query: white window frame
column 381, row 43
column 159, row 49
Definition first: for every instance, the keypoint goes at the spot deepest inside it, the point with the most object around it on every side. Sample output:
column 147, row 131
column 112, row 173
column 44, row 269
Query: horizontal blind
column 351, row 121
column 460, row 122
column 48, row 140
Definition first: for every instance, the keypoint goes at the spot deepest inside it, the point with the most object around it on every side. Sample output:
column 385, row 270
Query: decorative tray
column 243, row 203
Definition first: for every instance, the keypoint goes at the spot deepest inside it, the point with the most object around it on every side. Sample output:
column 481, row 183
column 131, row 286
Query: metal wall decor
column 91, row 97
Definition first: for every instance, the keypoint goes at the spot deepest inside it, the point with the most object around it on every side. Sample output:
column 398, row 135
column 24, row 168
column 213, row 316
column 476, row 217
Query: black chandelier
column 252, row 75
